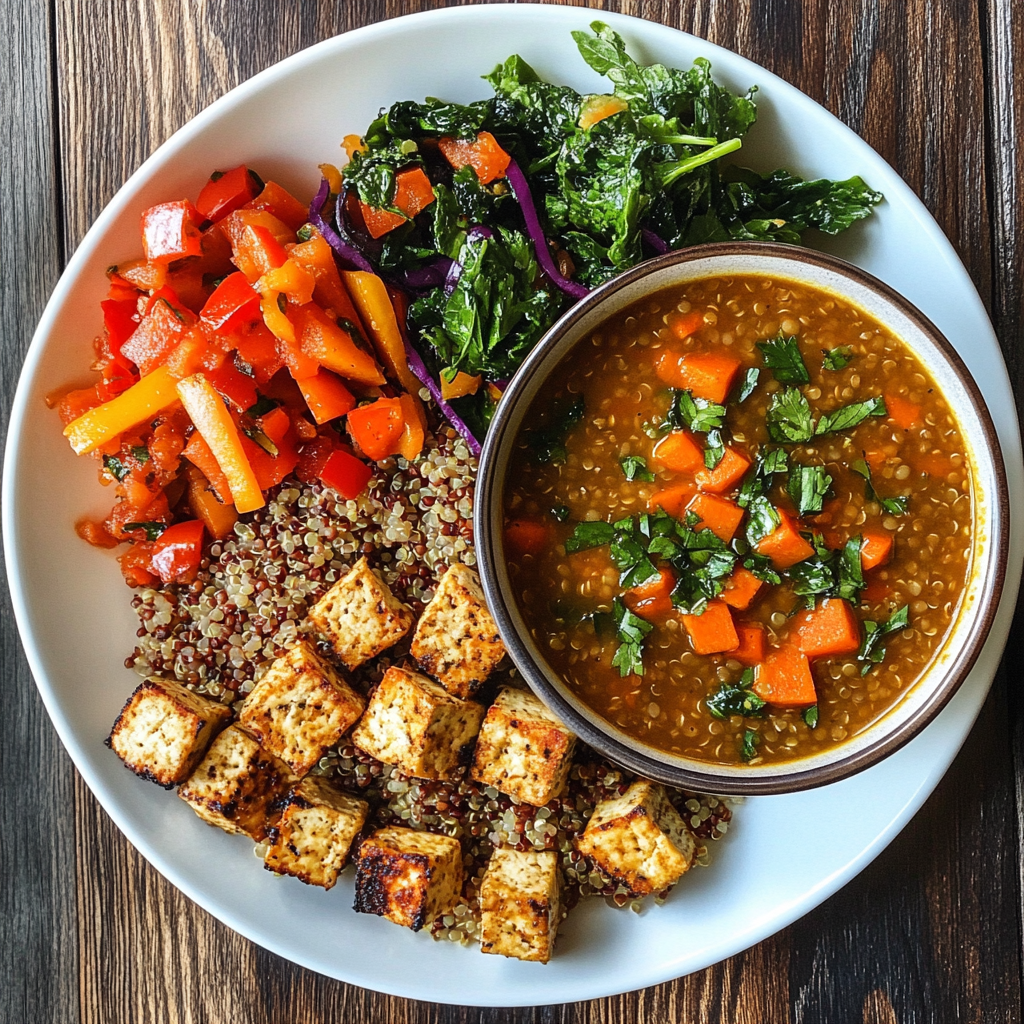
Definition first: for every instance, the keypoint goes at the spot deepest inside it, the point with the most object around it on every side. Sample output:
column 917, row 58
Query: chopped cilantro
column 748, row 743
column 150, row 528
column 894, row 506
column 789, row 417
column 762, row 519
column 810, row 716
column 140, row 453
column 635, row 468
column 767, row 462
column 715, row 451
column 782, row 356
column 631, row 631
column 736, row 699
column 560, row 512
column 808, row 486
column 747, row 383
column 589, row 535
column 305, row 233
column 850, row 416
column 871, row 651
column 262, row 407
column 115, row 467
column 837, row 358
column 696, row 414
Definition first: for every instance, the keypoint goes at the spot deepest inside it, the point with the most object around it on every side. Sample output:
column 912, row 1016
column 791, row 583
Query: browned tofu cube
column 312, row 838
column 456, row 639
column 360, row 617
column 238, row 785
column 523, row 750
column 413, row 723
column 409, row 877
column 164, row 730
column 300, row 707
column 639, row 839
column 519, row 904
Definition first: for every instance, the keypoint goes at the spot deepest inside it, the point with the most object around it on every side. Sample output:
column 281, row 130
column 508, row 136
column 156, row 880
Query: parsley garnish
column 305, row 233
column 115, row 467
column 589, row 535
column 747, row 383
column 808, row 486
column 837, row 358
column 631, row 631
column 850, row 416
column 789, row 417
column 810, row 716
column 894, row 506
column 548, row 443
column 715, row 451
column 748, row 743
column 736, row 699
column 762, row 519
column 871, row 652
column 635, row 468
column 782, row 356
column 262, row 407
column 829, row 573
column 151, row 529
column 140, row 452
column 696, row 414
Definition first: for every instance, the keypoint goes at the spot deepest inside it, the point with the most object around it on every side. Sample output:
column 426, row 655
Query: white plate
column 72, row 607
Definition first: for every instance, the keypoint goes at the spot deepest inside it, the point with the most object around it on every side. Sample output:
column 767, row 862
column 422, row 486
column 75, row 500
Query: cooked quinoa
column 249, row 604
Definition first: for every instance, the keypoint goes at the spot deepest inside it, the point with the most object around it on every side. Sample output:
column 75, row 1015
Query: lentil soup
column 740, row 522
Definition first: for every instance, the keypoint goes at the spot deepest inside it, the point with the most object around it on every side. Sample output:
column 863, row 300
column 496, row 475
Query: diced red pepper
column 177, row 552
column 257, row 347
column 282, row 204
column 225, row 192
column 346, row 474
column 120, row 318
column 170, row 231
column 234, row 305
column 326, row 395
column 161, row 330
column 237, row 387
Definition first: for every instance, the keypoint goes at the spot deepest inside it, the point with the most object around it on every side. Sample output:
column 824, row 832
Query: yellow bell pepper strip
column 375, row 310
column 213, row 421
column 140, row 402
column 331, row 173
column 322, row 339
column 460, row 385
column 413, row 433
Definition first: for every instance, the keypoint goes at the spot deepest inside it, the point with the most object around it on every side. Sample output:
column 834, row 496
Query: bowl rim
column 489, row 549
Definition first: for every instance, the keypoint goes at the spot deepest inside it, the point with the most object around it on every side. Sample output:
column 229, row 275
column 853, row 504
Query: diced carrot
column 875, row 550
column 317, row 257
column 214, row 422
column 682, row 325
column 705, row 375
column 904, row 413
column 322, row 339
column 713, row 632
column 459, row 386
column 934, row 464
column 483, row 154
column 197, row 451
column 413, row 194
column 829, row 630
column 741, row 588
column 527, row 536
column 719, row 515
column 679, row 452
column 326, row 396
column 653, row 598
column 672, row 499
column 377, row 427
column 597, row 108
column 784, row 545
column 413, row 433
column 219, row 518
column 753, row 644
column 282, row 204
column 726, row 475
column 784, row 679
column 140, row 402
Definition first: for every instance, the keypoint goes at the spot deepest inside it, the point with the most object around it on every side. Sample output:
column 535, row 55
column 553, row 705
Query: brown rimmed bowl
column 989, row 550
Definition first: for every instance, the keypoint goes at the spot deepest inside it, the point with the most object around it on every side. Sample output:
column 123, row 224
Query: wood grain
column 926, row 933
column 38, row 949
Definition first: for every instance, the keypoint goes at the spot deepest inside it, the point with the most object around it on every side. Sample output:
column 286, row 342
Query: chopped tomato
column 178, row 551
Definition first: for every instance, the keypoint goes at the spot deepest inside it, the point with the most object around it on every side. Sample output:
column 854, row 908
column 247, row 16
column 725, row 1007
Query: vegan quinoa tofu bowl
column 743, row 519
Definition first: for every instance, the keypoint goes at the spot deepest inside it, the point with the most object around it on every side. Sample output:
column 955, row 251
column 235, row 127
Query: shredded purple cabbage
column 521, row 190
column 349, row 253
column 656, row 242
column 431, row 275
column 454, row 273
column 419, row 368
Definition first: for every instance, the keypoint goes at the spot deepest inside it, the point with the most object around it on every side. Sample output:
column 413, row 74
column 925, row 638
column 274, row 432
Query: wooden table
column 89, row 932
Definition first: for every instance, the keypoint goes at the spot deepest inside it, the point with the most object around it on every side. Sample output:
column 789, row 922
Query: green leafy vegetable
column 789, row 417
column 151, row 528
column 893, row 506
column 850, row 416
column 736, row 699
column 748, row 744
column 115, row 467
column 631, row 631
column 810, row 716
column 635, row 468
column 871, row 650
column 747, row 383
column 694, row 414
column 837, row 358
column 762, row 519
column 782, row 356
column 589, row 535
column 808, row 487
column 548, row 443
column 715, row 450
column 140, row 453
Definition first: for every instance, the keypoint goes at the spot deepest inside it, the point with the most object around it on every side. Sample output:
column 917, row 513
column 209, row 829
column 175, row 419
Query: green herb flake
column 748, row 744
column 762, row 519
column 695, row 414
column 305, row 233
column 747, row 383
column 810, row 716
column 631, row 631
column 808, row 486
column 715, row 451
column 872, row 652
column 262, row 407
column 736, row 699
column 788, row 418
column 893, row 506
column 140, row 453
column 837, row 358
column 635, row 468
column 782, row 356
column 150, row 528
column 115, row 467
column 850, row 416
column 548, row 443
column 589, row 535
column 560, row 512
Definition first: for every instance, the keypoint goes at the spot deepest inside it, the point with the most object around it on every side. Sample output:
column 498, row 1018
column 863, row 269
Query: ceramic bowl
column 989, row 548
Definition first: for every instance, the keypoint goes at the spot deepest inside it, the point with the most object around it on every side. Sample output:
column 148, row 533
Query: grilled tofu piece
column 312, row 838
column 639, row 839
column 409, row 877
column 164, row 729
column 238, row 785
column 360, row 617
column 300, row 707
column 415, row 724
column 456, row 639
column 520, row 905
column 523, row 750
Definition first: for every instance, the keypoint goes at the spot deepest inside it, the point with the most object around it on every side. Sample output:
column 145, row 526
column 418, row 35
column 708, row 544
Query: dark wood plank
column 149, row 954
column 37, row 910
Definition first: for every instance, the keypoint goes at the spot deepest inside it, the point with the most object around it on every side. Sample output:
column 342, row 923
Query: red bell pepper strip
column 170, row 231
column 177, row 552
column 225, row 192
column 346, row 474
column 233, row 305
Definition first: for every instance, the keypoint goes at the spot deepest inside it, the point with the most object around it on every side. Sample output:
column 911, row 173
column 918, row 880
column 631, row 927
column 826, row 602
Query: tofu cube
column 238, row 785
column 300, row 707
column 639, row 839
column 164, row 730
column 360, row 617
column 417, row 725
column 314, row 834
column 456, row 640
column 519, row 904
column 409, row 877
column 523, row 750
